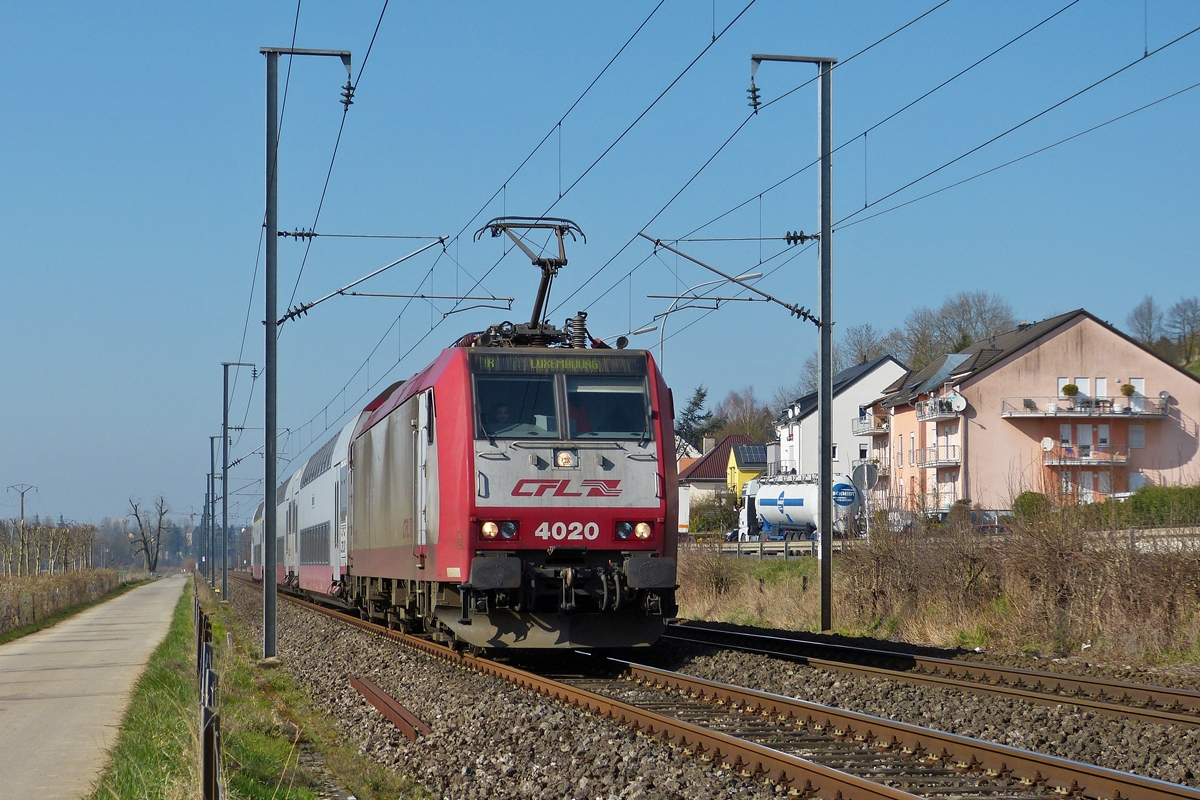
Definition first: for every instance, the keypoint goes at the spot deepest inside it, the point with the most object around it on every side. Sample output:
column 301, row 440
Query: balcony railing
column 937, row 408
column 1050, row 406
column 1086, row 455
column 941, row 499
column 785, row 466
column 870, row 425
column 939, row 455
column 881, row 464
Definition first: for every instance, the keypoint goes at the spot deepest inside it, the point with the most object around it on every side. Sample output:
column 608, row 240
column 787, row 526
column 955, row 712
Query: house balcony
column 880, row 464
column 785, row 466
column 939, row 455
column 937, row 408
column 1084, row 455
column 1104, row 407
column 870, row 425
column 941, row 499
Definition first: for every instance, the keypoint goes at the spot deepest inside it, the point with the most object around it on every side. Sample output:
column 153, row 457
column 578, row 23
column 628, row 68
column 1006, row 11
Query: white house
column 799, row 425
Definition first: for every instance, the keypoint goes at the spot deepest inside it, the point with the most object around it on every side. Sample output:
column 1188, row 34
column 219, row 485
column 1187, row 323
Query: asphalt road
column 64, row 690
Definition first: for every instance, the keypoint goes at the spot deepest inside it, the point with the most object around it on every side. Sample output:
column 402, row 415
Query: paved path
column 64, row 690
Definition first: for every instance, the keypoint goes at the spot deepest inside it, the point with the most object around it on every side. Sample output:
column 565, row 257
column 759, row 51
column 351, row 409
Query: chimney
column 710, row 442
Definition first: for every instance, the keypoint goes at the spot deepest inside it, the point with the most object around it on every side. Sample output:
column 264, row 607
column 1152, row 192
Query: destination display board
column 588, row 362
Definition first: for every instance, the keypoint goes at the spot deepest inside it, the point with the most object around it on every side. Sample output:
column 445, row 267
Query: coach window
column 515, row 406
column 607, row 407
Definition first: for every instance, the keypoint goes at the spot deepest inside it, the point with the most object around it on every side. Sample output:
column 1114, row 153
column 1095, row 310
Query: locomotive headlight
column 642, row 531
column 624, row 530
column 489, row 530
column 508, row 529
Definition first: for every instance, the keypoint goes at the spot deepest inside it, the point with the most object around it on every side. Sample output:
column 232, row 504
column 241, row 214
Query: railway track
column 805, row 749
column 1123, row 699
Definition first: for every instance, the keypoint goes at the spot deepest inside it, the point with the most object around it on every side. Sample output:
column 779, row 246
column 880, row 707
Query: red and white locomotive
column 520, row 491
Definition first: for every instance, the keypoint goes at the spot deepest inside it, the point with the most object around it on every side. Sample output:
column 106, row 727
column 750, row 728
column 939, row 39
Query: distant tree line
column 925, row 334
column 34, row 547
column 1173, row 333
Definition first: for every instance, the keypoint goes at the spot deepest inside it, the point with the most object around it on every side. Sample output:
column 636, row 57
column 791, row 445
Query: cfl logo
column 561, row 487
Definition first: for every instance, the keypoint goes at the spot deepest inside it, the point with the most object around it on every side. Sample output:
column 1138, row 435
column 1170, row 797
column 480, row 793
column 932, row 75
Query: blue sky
column 131, row 196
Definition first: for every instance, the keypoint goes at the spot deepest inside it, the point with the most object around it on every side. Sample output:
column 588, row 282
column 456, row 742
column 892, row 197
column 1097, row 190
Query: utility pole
column 225, row 365
column 212, row 510
column 271, row 324
column 825, row 376
column 21, row 489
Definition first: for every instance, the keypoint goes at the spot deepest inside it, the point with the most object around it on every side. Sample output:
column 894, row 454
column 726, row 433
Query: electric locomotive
column 518, row 492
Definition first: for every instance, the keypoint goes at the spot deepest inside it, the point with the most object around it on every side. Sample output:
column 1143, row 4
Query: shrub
column 1127, row 389
column 1028, row 505
column 716, row 512
column 1070, row 390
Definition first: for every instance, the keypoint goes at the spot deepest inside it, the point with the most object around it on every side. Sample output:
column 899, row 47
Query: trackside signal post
column 825, row 375
column 271, row 323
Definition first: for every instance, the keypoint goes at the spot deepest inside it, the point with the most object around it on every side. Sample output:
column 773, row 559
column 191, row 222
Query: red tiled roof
column 713, row 465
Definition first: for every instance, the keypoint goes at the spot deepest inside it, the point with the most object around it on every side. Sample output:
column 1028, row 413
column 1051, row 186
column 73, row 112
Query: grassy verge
column 66, row 613
column 154, row 756
column 267, row 724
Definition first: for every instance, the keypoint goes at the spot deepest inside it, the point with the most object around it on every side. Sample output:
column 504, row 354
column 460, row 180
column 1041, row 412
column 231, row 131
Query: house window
column 834, row 446
column 912, row 448
column 862, row 452
column 1085, row 386
column 1061, row 383
column 1101, row 387
column 1067, row 486
column 899, row 451
column 1103, row 482
column 1064, row 434
column 1101, row 436
column 1137, row 436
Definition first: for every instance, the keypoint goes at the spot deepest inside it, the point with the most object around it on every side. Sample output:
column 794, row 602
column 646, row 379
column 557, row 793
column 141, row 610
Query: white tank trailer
column 789, row 505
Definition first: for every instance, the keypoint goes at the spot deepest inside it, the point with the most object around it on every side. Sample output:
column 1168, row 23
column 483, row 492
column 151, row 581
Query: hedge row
column 26, row 600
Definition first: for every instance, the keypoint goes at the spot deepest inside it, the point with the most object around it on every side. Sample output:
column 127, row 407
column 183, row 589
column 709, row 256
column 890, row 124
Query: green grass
column 155, row 753
column 65, row 613
column 266, row 719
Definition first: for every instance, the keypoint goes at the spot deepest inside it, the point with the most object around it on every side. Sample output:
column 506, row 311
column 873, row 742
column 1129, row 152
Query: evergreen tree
column 695, row 422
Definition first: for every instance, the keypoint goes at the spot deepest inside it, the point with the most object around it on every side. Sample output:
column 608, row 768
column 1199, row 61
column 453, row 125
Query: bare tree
column 745, row 414
column 1183, row 323
column 1146, row 321
column 863, row 343
column 962, row 319
column 147, row 539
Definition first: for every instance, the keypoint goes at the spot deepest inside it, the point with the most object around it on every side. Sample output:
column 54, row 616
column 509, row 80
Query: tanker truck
column 786, row 507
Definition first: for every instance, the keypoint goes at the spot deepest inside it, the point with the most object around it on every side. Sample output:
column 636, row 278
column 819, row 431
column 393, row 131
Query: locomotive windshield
column 607, row 407
column 516, row 406
column 523, row 396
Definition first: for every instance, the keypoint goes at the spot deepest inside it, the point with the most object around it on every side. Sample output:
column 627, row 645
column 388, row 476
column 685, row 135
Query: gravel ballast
column 490, row 739
column 1166, row 752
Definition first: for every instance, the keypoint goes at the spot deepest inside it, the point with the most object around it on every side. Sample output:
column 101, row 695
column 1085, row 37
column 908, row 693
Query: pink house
column 1068, row 406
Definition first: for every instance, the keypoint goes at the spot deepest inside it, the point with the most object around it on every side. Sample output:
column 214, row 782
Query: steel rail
column 1157, row 704
column 1070, row 778
column 971, row 757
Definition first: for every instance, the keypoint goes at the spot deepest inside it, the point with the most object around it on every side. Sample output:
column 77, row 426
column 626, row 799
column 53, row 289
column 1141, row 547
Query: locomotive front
column 574, row 516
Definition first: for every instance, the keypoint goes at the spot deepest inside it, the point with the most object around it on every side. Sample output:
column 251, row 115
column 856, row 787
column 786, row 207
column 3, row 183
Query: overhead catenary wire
column 726, row 143
column 888, row 118
column 1022, row 124
column 351, row 89
column 1018, row 159
column 607, row 150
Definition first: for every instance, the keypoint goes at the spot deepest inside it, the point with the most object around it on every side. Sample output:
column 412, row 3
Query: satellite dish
column 1047, row 444
column 1164, row 395
column 865, row 477
column 958, row 403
